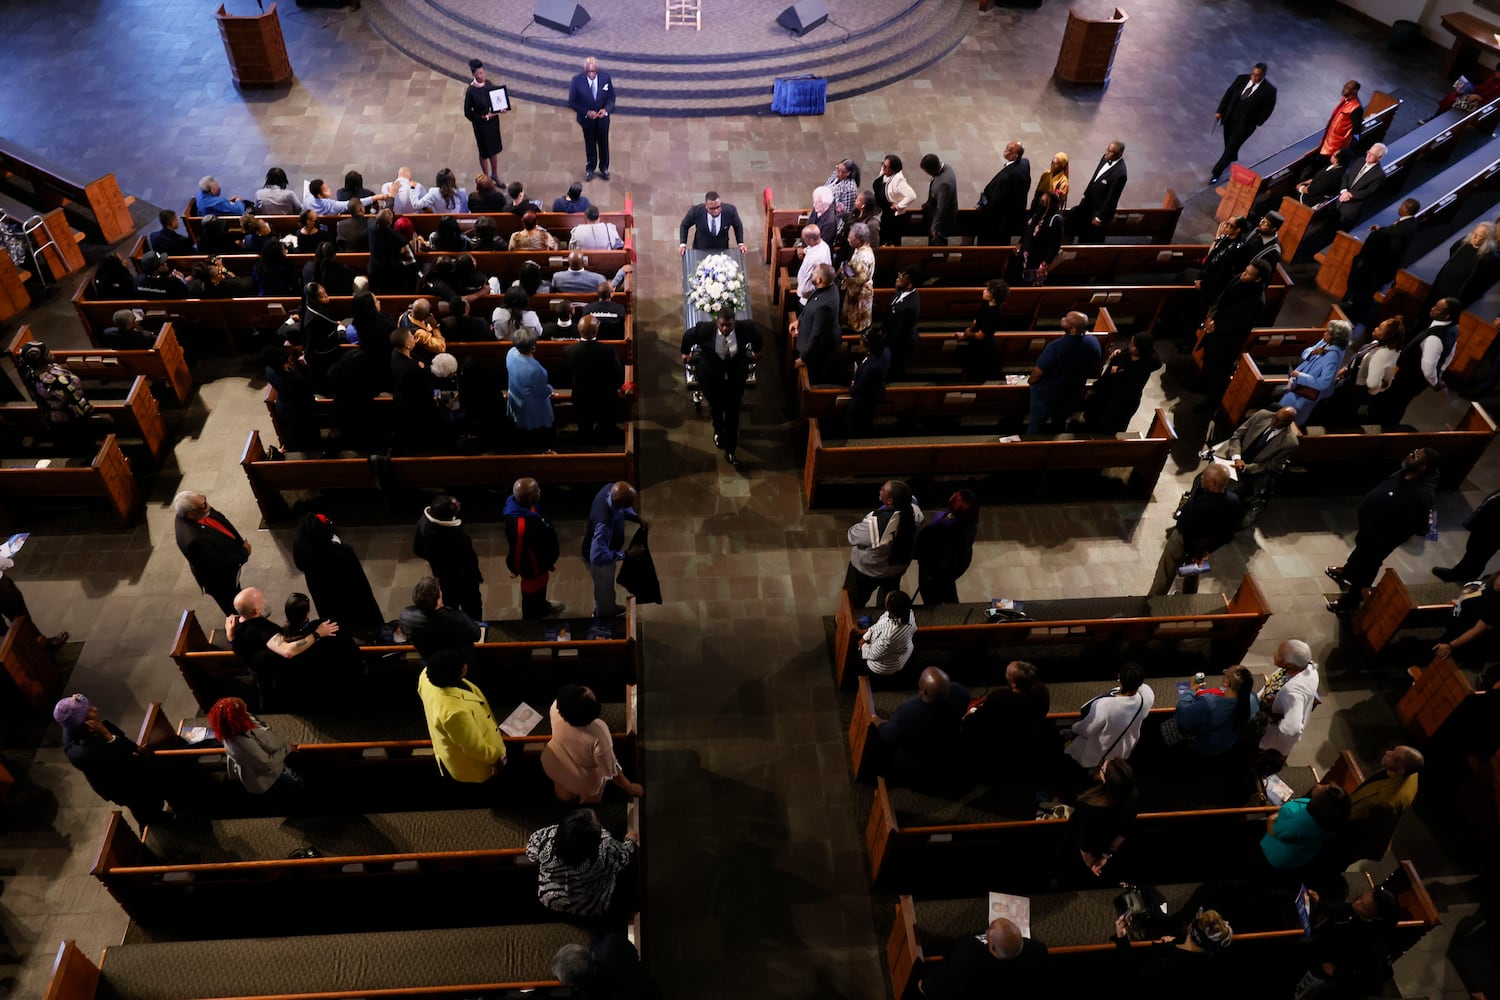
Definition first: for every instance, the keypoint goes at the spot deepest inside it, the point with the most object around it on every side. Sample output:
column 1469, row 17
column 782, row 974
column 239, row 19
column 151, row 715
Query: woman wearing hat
column 110, row 760
column 485, row 119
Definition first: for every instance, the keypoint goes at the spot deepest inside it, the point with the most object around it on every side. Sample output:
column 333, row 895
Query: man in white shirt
column 813, row 252
column 1287, row 697
column 887, row 644
column 1420, row 364
column 404, row 192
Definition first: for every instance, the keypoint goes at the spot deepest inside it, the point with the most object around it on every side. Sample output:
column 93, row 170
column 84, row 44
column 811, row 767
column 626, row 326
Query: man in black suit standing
column 215, row 551
column 726, row 350
column 817, row 329
column 1089, row 220
column 592, row 97
column 595, row 375
column 1244, row 108
column 711, row 223
column 941, row 210
column 1379, row 260
column 899, row 328
column 1360, row 184
column 1002, row 206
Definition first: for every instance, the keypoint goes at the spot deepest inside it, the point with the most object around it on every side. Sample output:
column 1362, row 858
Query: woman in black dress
column 485, row 121
column 1116, row 394
column 335, row 579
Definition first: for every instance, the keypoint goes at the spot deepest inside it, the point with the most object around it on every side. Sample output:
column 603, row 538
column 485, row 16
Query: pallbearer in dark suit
column 1002, row 206
column 1245, row 107
column 711, row 223
column 1090, row 218
column 726, row 350
column 592, row 98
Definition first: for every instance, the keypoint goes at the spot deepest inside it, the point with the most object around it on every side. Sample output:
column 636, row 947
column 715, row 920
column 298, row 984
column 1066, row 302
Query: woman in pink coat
column 580, row 758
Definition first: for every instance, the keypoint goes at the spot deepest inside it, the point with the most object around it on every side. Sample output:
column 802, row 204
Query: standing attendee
column 1222, row 263
column 1398, row 508
column 417, row 422
column 1344, row 123
column 442, row 541
column 580, row 868
column 110, row 761
column 1421, row 364
column 1115, row 395
column 1312, row 379
column 843, row 183
column 867, row 211
column 894, row 195
column 945, row 548
column 882, row 544
column 335, row 578
column 1264, row 245
column 1349, row 952
column 254, row 754
column 726, row 350
column 816, row 331
column 1383, row 254
column 888, row 643
column 998, row 963
column 1060, row 375
column 215, row 551
column 1237, row 311
column 825, row 215
column 858, row 277
column 1041, row 239
column 531, row 549
column 1110, row 725
column 1483, row 543
column 591, row 95
column 899, row 324
column 528, row 398
column 1002, row 205
column 940, row 211
column 580, row 756
column 604, row 543
column 58, row 394
column 867, row 389
column 1245, row 107
column 485, row 120
column 711, row 223
column 13, row 603
column 1471, row 268
column 1208, row 519
column 1055, row 180
column 596, row 376
column 466, row 739
column 1104, row 815
column 813, row 253
column 1089, row 220
column 1287, row 697
column 1360, row 184
column 976, row 342
column 922, row 734
column 1177, row 964
column 432, row 626
column 1008, row 731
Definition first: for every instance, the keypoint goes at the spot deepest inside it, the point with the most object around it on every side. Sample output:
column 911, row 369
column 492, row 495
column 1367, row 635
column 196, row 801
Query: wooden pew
column 54, row 188
column 1437, row 691
column 1231, row 623
column 1433, row 138
column 163, row 361
column 1356, row 455
column 1083, row 953
column 135, row 414
column 1391, row 606
column 268, row 478
column 958, row 265
column 212, row 672
column 996, row 401
column 559, row 224
column 107, row 475
column 55, row 245
column 1276, row 342
column 14, row 298
column 1277, row 175
column 30, row 667
column 1438, row 197
column 974, row 455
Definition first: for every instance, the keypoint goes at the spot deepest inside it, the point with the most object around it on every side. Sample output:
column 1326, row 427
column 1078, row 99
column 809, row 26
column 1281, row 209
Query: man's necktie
column 594, row 87
column 1249, row 89
column 713, row 224
column 1261, row 440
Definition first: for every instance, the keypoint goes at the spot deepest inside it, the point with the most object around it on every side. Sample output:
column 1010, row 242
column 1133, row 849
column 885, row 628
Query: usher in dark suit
column 1100, row 199
column 582, row 98
column 703, row 239
column 1240, row 116
column 215, row 556
column 1002, row 206
column 723, row 379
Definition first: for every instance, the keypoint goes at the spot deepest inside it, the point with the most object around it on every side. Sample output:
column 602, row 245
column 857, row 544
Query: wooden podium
column 256, row 50
column 1088, row 48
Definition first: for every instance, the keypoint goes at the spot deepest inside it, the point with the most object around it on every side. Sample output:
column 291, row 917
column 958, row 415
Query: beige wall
column 1427, row 13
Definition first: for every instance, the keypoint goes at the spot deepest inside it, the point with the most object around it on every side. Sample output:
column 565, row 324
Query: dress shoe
column 1446, row 573
column 57, row 641
column 1205, row 454
column 604, row 175
column 1213, row 180
column 1336, row 574
column 588, row 175
column 716, row 440
column 729, row 457
column 555, row 608
column 1340, row 608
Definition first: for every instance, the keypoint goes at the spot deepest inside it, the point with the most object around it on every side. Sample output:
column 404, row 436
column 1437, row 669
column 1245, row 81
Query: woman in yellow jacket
column 465, row 736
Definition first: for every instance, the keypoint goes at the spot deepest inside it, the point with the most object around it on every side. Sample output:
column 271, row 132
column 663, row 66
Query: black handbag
column 1146, row 910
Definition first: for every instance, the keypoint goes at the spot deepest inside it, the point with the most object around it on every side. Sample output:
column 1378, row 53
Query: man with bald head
column 1259, row 448
column 922, row 734
column 814, row 252
column 1208, row 519
column 215, row 551
column 261, row 646
column 1002, row 206
column 1060, row 375
column 817, row 329
column 576, row 278
column 591, row 95
column 533, row 549
column 1000, row 964
column 1376, row 807
column 604, row 543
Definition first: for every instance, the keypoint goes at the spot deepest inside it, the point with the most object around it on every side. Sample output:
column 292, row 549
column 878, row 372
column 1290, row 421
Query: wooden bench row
column 33, row 673
column 14, row 298
column 130, row 406
column 1391, row 606
column 162, row 362
column 559, row 224
column 107, row 476
column 53, row 188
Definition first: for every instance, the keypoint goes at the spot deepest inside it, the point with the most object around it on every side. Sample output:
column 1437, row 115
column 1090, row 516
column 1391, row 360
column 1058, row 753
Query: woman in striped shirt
column 578, row 864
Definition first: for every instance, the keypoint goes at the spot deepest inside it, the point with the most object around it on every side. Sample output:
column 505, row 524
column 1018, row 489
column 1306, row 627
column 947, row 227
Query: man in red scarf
column 214, row 549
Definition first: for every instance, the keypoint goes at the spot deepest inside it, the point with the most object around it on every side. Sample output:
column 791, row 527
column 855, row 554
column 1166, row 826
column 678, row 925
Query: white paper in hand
column 521, row 722
column 1016, row 909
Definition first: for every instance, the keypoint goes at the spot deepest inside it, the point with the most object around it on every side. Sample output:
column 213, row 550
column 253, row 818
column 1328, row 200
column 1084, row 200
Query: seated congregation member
column 318, row 335
column 1214, row 720
column 1008, row 730
column 449, row 237
column 528, row 399
column 1182, row 965
column 354, row 187
column 998, row 963
column 1104, row 815
column 352, row 234
column 944, row 548
column 576, row 278
column 1421, row 363
column 612, row 971
column 976, row 342
column 1061, row 374
column 1471, row 638
column 465, row 734
column 573, row 201
column 881, row 545
column 593, row 234
column 1363, row 375
column 1301, row 827
column 1348, row 953
column 335, row 577
column 1376, row 808
column 1237, row 311
column 1287, row 697
column 1398, row 508
column 441, row 540
column 258, row 233
column 532, row 236
column 110, row 761
column 254, row 754
column 327, row 270
column 296, row 400
column 1259, row 448
column 459, row 327
column 561, row 327
column 1115, row 395
column 404, row 192
column 392, row 266
column 445, row 196
column 112, row 279
column 582, row 871
column 212, row 280
column 1110, row 725
column 432, row 626
column 417, row 423
column 127, row 333
column 1324, row 183
column 264, row 649
column 1312, row 379
column 520, row 201
column 486, row 197
column 424, row 329
column 211, row 200
column 867, row 390
column 580, row 756
column 273, row 198
column 514, row 315
column 887, row 644
column 1264, row 244
column 168, row 239
column 596, row 377
column 158, row 280
column 609, row 313
column 311, row 233
column 273, row 274
column 1361, row 181
column 1209, row 519
column 922, row 734
column 219, row 236
column 320, row 199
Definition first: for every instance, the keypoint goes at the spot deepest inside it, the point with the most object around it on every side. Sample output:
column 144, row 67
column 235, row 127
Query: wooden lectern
column 1088, row 48
column 256, row 50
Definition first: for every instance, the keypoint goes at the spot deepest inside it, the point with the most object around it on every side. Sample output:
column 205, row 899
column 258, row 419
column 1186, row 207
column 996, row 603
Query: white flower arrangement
column 718, row 282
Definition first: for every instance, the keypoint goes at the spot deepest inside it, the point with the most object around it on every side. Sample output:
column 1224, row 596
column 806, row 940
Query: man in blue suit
column 592, row 98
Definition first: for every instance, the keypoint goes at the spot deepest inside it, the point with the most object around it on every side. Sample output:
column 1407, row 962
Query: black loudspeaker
column 560, row 15
column 803, row 16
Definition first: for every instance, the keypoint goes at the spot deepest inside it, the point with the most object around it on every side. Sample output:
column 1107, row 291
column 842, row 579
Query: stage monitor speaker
column 803, row 16
column 560, row 15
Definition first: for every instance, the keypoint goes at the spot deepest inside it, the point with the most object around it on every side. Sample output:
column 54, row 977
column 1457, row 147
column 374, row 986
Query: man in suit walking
column 592, row 97
column 1360, row 184
column 1244, row 108
column 941, row 210
column 726, row 350
column 1002, row 206
column 215, row 551
column 1379, row 260
column 1089, row 220
column 711, row 223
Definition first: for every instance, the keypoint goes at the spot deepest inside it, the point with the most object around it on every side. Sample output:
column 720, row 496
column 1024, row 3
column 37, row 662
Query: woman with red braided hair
column 254, row 755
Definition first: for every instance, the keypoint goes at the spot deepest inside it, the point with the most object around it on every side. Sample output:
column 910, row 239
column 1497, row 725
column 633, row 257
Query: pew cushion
column 366, row 727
